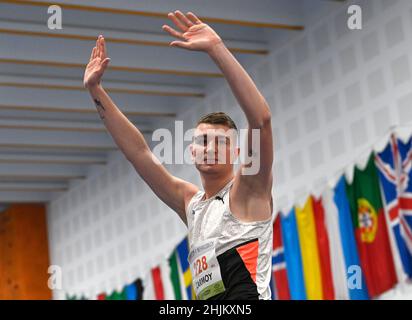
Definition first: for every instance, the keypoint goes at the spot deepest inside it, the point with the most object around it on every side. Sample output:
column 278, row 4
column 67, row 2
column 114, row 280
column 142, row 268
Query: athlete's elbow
column 264, row 120
column 267, row 117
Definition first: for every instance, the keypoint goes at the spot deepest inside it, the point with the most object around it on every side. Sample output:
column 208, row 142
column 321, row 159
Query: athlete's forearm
column 127, row 137
column 250, row 99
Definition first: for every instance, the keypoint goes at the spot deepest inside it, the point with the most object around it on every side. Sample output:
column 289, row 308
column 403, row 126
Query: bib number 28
column 200, row 265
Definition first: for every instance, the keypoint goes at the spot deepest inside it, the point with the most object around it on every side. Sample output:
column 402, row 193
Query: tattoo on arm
column 100, row 108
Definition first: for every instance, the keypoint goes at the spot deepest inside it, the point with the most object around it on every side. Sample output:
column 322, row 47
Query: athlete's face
column 214, row 148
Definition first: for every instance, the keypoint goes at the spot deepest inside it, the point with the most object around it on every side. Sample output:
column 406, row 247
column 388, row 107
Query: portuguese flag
column 370, row 229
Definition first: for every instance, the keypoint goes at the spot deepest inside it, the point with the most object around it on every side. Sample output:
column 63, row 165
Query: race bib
column 207, row 280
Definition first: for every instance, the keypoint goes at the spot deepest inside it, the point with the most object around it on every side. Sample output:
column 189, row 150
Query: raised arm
column 171, row 190
column 196, row 35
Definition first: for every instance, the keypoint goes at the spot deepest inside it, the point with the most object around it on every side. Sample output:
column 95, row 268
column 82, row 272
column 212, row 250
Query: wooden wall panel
column 24, row 254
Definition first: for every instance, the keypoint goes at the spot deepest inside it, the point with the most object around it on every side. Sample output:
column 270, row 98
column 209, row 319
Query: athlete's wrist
column 95, row 87
column 216, row 49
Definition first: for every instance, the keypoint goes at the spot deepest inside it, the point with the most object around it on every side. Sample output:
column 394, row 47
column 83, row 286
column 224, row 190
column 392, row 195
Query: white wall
column 333, row 93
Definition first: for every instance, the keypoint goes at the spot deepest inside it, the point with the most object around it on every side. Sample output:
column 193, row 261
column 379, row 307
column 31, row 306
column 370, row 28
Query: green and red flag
column 370, row 229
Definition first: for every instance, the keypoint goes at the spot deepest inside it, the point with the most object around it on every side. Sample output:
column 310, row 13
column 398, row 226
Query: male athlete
column 230, row 222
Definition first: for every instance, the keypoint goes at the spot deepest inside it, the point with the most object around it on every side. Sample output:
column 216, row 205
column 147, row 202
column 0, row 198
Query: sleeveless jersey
column 240, row 253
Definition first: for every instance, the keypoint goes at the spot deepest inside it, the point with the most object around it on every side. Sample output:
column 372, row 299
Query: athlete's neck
column 213, row 184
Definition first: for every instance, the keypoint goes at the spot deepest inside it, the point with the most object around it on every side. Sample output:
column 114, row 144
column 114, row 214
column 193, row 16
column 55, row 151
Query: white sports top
column 243, row 249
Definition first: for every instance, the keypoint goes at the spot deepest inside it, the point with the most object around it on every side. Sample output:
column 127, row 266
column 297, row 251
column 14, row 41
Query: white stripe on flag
column 166, row 280
column 338, row 267
column 278, row 266
column 148, row 291
column 181, row 278
column 277, row 251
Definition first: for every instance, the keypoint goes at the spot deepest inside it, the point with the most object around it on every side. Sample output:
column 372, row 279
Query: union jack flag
column 394, row 165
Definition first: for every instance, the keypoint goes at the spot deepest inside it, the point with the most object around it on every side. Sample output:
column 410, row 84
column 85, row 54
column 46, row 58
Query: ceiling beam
column 152, row 14
column 149, row 92
column 113, row 85
column 70, row 51
column 29, row 30
column 23, row 172
column 58, row 125
column 63, row 147
column 52, row 186
column 76, row 99
column 60, row 140
column 25, row 197
column 59, row 64
column 52, row 158
column 83, row 110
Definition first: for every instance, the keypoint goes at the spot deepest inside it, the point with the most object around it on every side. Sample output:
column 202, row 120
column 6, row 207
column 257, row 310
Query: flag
column 131, row 292
column 309, row 250
column 328, row 290
column 184, row 268
column 101, row 296
column 139, row 288
column 357, row 291
column 116, row 295
column 292, row 256
column 166, row 276
column 394, row 167
column 405, row 150
column 370, row 229
column 174, row 275
column 337, row 260
column 280, row 285
column 157, row 283
column 272, row 287
column 149, row 288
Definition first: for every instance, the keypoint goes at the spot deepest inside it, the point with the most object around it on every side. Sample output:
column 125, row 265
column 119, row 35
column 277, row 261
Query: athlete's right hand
column 97, row 64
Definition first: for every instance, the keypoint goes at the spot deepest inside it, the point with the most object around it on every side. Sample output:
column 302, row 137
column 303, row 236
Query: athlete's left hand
column 194, row 35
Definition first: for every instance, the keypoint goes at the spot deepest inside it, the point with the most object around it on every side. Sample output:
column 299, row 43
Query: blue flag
column 183, row 253
column 131, row 292
column 350, row 250
column 292, row 256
